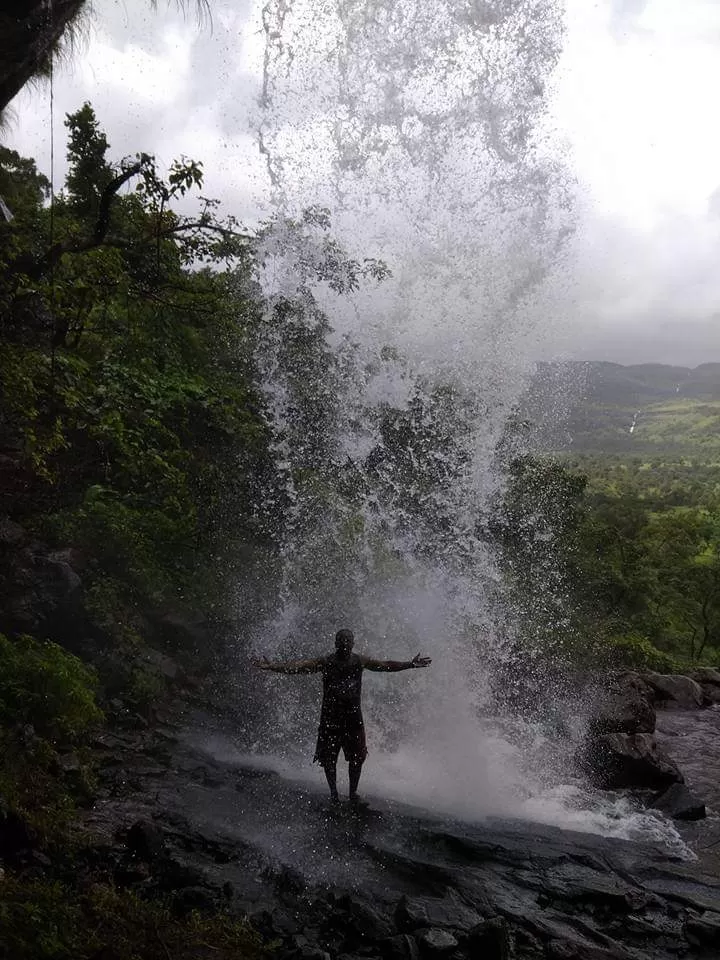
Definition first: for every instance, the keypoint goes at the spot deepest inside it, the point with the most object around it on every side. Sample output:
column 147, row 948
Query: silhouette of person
column 341, row 720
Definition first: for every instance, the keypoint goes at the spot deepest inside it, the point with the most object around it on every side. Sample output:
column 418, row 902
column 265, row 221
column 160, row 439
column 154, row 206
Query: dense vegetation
column 132, row 446
column 614, row 560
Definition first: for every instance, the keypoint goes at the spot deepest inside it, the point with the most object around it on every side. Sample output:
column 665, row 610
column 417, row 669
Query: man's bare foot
column 357, row 801
column 334, row 798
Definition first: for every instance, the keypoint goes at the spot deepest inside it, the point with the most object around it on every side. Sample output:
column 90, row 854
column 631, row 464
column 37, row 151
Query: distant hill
column 649, row 409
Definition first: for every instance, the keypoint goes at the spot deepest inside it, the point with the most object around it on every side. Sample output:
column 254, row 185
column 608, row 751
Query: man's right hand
column 263, row 664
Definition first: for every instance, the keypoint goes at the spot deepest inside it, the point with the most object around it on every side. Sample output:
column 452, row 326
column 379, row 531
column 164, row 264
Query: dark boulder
column 674, row 690
column 711, row 693
column 361, row 920
column 489, row 940
column 626, row 707
column 400, row 947
column 620, row 760
column 160, row 663
column 11, row 534
column 192, row 899
column 448, row 912
column 706, row 675
column 679, row 803
column 145, row 840
column 704, row 930
column 435, row 942
column 40, row 588
column 16, row 837
column 188, row 631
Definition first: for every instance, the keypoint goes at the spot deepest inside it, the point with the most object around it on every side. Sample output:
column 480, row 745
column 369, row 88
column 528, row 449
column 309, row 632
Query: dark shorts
column 340, row 728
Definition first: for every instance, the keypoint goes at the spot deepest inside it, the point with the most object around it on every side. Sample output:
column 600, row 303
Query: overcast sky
column 635, row 103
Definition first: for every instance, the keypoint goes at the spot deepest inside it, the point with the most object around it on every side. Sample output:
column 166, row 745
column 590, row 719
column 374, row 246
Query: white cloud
column 636, row 98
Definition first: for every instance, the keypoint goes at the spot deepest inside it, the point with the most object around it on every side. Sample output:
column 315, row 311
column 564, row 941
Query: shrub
column 42, row 920
column 43, row 685
column 635, row 652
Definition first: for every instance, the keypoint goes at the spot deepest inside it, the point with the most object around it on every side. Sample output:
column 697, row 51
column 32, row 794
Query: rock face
column 674, row 690
column 625, row 708
column 392, row 882
column 679, row 803
column 40, row 586
column 709, row 681
column 706, row 675
column 616, row 761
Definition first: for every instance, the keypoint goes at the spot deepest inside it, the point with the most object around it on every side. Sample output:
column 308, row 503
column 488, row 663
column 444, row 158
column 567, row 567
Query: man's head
column 344, row 640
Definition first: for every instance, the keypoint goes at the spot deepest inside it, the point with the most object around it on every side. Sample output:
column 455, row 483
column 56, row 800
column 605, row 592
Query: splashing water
column 413, row 132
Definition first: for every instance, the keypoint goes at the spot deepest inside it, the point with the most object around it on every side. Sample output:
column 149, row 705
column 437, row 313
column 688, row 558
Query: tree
column 683, row 550
column 89, row 173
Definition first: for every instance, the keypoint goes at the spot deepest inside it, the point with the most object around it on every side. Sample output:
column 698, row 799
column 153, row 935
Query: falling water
column 419, row 207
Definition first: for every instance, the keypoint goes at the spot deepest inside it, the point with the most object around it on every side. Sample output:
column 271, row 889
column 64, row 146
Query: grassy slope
column 676, row 411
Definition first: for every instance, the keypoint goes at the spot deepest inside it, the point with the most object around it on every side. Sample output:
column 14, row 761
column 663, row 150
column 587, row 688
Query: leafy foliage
column 127, row 382
column 49, row 920
column 635, row 652
column 43, row 685
column 47, row 702
column 620, row 556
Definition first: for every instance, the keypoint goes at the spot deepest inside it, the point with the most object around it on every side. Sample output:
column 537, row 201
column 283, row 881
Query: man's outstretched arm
column 392, row 666
column 289, row 666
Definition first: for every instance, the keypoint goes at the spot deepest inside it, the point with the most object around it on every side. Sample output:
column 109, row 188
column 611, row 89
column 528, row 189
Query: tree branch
column 108, row 195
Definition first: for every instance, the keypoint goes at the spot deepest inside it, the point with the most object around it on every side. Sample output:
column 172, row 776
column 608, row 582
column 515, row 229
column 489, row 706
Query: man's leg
column 354, row 771
column 330, row 768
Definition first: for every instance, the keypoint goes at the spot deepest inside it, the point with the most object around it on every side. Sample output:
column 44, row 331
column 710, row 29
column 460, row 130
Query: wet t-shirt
column 342, row 681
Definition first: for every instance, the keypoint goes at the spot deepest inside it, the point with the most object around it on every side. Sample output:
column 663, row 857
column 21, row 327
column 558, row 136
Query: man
column 341, row 721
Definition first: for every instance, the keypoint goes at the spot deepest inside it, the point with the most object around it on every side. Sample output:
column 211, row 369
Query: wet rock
column 40, row 588
column 620, row 760
column 711, row 693
column 704, row 929
column 626, row 707
column 176, row 874
column 69, row 764
column 11, row 534
column 145, row 840
column 706, row 675
column 182, row 630
column 15, row 834
column 435, row 942
column 130, row 873
column 675, row 690
column 164, row 665
column 489, row 940
column 190, row 899
column 313, row 953
column 304, row 947
column 273, row 923
column 400, row 947
column 41, row 859
column 448, row 912
column 60, row 579
column 362, row 920
column 679, row 803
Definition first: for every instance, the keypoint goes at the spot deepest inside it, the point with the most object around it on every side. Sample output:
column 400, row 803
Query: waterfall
column 418, row 210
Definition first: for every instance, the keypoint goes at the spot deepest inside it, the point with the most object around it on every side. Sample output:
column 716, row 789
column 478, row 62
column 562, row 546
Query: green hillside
column 648, row 410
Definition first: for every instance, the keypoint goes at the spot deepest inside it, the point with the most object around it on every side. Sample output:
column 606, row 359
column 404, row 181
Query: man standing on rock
column 341, row 721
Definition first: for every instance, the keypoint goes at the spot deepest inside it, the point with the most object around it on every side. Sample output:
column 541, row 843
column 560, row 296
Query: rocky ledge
column 381, row 882
column 620, row 750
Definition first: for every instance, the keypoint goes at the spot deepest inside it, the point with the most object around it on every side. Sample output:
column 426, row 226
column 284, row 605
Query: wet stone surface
column 389, row 881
